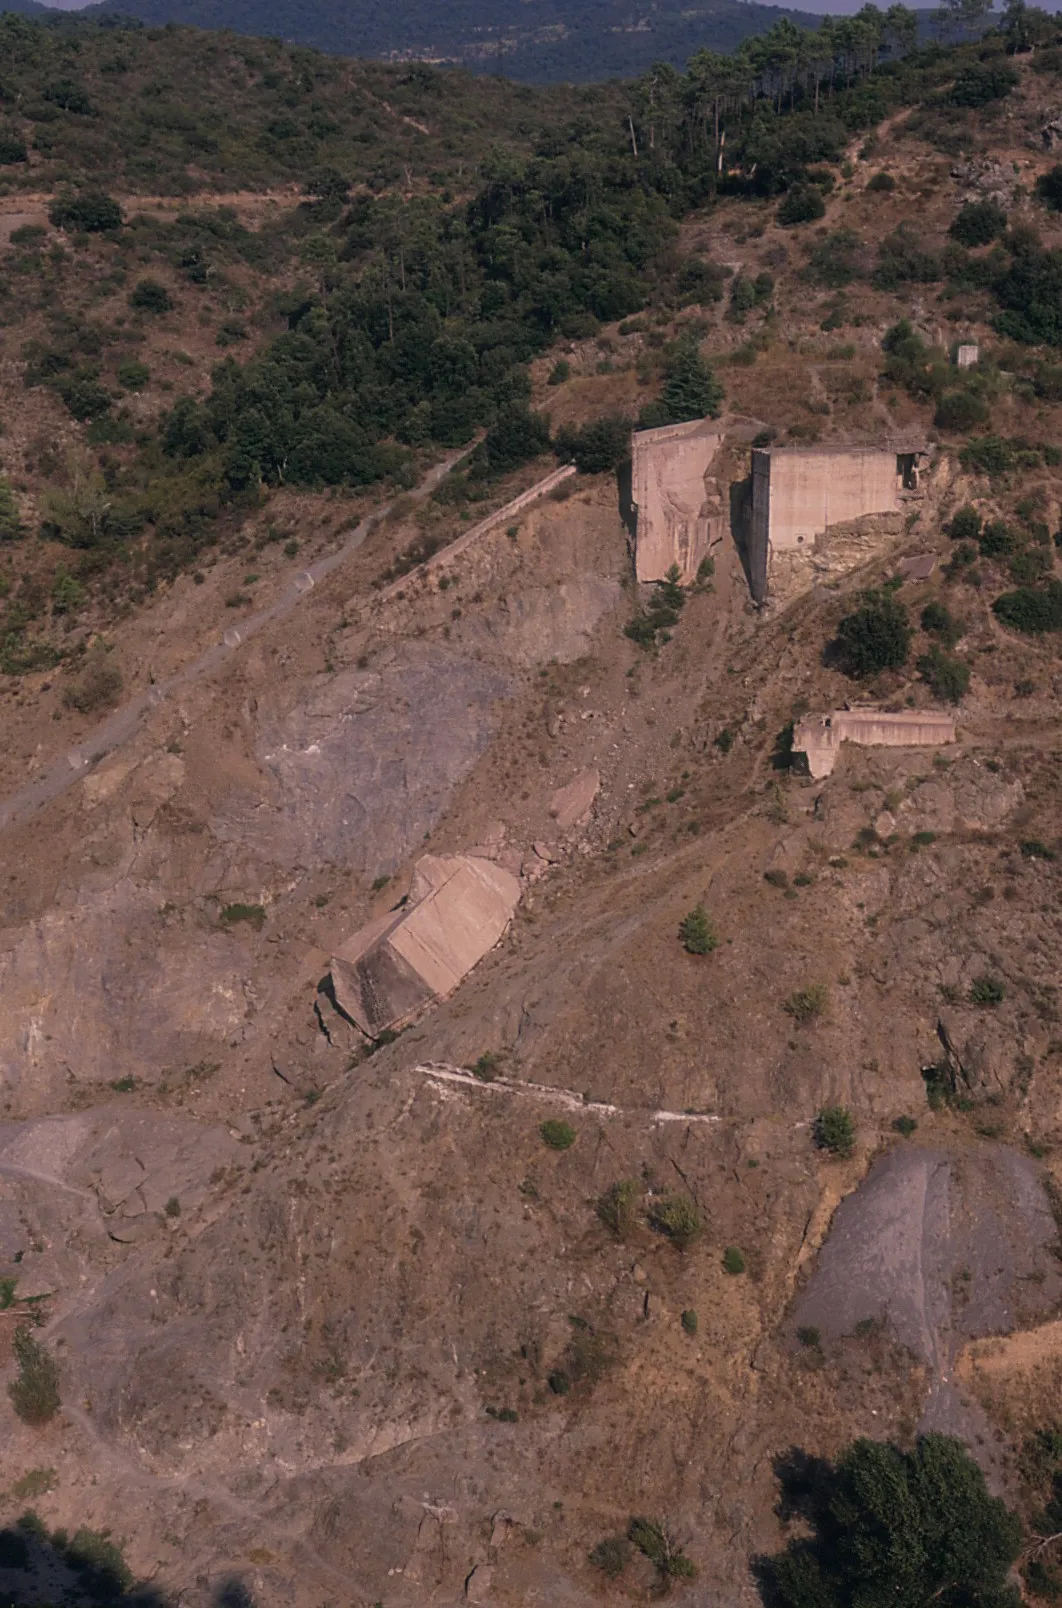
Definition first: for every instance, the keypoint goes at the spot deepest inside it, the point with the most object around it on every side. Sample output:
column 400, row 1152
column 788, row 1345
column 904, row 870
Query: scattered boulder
column 571, row 805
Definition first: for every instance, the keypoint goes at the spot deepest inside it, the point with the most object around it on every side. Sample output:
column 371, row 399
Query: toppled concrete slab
column 919, row 567
column 679, row 512
column 572, row 804
column 819, row 737
column 458, row 907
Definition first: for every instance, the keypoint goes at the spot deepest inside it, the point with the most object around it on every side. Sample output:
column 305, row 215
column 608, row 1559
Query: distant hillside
column 531, row 40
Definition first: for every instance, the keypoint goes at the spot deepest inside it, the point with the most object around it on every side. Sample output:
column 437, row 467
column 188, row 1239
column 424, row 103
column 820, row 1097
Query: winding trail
column 119, row 727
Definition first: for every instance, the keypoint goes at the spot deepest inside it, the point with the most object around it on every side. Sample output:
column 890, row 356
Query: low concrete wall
column 541, row 488
column 675, row 509
column 819, row 737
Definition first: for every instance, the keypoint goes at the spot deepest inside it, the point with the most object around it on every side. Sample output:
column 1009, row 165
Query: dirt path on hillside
column 123, row 724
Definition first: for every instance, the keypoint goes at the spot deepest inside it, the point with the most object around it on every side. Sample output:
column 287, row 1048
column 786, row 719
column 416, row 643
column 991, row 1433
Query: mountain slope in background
column 544, row 41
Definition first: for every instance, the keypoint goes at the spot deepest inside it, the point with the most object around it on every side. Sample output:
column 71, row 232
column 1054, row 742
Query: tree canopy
column 894, row 1529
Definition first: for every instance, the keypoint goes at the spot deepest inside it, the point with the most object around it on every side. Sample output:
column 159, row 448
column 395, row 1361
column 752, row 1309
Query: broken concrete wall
column 806, row 490
column 679, row 507
column 457, row 909
column 819, row 737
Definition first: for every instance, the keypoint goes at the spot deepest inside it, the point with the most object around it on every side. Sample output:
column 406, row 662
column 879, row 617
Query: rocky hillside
column 296, row 1318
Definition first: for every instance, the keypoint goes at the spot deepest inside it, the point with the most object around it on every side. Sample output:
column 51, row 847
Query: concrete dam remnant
column 458, row 907
column 679, row 507
column 799, row 493
column 819, row 737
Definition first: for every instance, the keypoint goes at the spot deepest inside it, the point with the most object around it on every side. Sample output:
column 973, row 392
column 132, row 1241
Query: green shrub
column 978, row 223
column 556, row 1134
column 91, row 212
column 733, row 1260
column 875, row 637
column 253, row 914
column 960, row 410
column 133, row 375
column 655, row 1541
column 1032, row 609
column 679, row 1218
column 1048, row 189
column 689, row 1321
column 807, row 1003
column 987, row 990
column 965, row 524
column 697, row 933
column 595, row 447
column 946, row 676
column 803, row 204
column 611, row 1555
column 618, row 1206
column 834, row 1130
column 35, row 1391
column 150, row 296
column 983, row 82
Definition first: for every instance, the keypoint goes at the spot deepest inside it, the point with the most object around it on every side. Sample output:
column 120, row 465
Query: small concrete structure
column 967, row 355
column 457, row 909
column 798, row 493
column 678, row 514
column 919, row 567
column 819, row 737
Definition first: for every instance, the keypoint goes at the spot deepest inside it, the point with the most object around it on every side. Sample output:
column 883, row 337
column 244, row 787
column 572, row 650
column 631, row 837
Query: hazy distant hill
column 527, row 39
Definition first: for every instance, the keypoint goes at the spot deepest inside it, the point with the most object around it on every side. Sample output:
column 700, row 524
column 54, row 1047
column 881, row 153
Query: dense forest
column 555, row 40
column 414, row 309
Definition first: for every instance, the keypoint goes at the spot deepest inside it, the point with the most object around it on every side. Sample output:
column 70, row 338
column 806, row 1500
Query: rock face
column 572, row 804
column 669, row 489
column 819, row 737
column 458, row 908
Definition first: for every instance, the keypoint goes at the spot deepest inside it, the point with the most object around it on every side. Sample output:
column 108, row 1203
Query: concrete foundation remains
column 679, row 508
column 819, row 737
column 799, row 493
column 458, row 908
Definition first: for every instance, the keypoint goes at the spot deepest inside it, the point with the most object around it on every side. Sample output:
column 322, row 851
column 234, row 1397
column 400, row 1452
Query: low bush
column 1032, row 609
column 91, row 212
column 697, row 933
column 34, row 1391
column 803, row 204
column 596, row 447
column 874, row 637
column 965, row 524
column 611, row 1555
column 679, row 1218
column 150, row 296
column 618, row 1206
column 807, row 1003
column 557, row 1135
column 97, row 687
column 978, row 223
column 655, row 1541
column 253, row 914
column 834, row 1130
column 946, row 676
column 987, row 990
